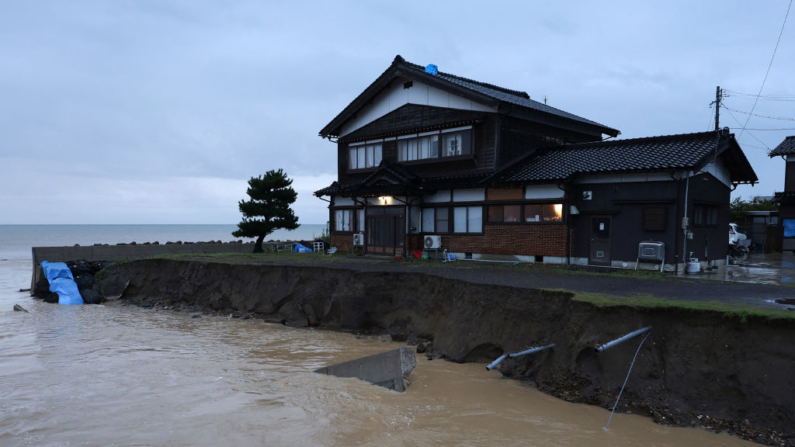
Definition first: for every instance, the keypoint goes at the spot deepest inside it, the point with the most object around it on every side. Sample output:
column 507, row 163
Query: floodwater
column 759, row 268
column 126, row 376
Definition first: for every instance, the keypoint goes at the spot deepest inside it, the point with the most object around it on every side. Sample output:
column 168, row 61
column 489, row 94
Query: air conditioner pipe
column 620, row 340
column 500, row 359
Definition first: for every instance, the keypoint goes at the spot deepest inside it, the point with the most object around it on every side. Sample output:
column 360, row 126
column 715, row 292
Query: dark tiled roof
column 407, row 183
column 482, row 90
column 637, row 154
column 787, row 147
column 506, row 95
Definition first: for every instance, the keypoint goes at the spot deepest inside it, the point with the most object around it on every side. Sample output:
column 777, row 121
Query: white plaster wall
column 543, row 192
column 469, row 195
column 626, row 178
column 718, row 171
column 343, row 201
column 438, row 197
column 395, row 96
column 414, row 220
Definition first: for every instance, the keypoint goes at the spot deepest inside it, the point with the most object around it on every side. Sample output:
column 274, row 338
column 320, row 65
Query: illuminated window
column 543, row 213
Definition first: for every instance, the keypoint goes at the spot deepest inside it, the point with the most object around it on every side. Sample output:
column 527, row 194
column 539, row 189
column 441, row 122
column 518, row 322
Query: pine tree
column 269, row 207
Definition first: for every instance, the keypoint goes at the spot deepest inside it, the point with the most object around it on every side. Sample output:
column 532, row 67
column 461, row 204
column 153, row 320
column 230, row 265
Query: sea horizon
column 16, row 240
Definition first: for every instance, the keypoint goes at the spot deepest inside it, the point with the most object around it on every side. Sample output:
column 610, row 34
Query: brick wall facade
column 343, row 242
column 532, row 240
column 529, row 240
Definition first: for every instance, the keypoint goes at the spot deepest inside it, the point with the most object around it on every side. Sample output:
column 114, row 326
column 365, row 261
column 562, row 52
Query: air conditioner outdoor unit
column 431, row 242
column 358, row 240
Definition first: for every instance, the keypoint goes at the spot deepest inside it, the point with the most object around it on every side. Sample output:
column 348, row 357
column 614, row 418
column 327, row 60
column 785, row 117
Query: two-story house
column 428, row 159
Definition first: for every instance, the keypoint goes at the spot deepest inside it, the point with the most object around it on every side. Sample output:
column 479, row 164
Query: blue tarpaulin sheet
column 789, row 227
column 62, row 282
column 301, row 249
column 67, row 291
column 54, row 270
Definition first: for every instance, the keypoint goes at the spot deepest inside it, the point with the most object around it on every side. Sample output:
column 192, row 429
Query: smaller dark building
column 786, row 198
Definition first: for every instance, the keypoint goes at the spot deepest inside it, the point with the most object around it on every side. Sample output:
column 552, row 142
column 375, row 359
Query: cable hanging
column 738, row 122
column 768, row 68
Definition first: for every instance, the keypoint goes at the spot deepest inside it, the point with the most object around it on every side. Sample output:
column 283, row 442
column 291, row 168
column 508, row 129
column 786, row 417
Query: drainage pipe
column 620, row 340
column 494, row 364
column 500, row 359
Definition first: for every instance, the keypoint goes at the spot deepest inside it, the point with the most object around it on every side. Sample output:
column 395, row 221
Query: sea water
column 101, row 375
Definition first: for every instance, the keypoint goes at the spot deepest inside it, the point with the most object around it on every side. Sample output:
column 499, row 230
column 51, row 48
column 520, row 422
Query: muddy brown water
column 120, row 375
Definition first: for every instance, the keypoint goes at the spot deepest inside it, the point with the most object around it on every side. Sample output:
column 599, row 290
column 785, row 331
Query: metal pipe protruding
column 531, row 350
column 494, row 364
column 500, row 359
column 620, row 340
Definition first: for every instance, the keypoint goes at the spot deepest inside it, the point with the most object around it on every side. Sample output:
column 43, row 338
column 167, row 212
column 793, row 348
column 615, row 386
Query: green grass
column 743, row 312
column 262, row 258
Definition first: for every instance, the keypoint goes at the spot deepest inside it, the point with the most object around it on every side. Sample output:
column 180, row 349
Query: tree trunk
column 258, row 245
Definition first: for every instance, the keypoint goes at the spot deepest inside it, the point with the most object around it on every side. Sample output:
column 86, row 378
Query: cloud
column 132, row 112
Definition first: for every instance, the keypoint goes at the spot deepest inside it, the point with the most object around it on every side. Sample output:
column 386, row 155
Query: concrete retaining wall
column 117, row 252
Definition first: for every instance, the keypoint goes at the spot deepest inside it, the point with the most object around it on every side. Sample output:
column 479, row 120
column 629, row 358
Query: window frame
column 438, row 217
column 416, row 150
column 467, row 207
column 336, row 220
column 702, row 212
column 366, row 154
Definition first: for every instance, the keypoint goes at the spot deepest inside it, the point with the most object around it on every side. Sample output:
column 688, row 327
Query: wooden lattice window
column 654, row 218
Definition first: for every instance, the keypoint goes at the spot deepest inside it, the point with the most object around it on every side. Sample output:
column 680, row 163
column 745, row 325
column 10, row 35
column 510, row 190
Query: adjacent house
column 786, row 198
column 433, row 161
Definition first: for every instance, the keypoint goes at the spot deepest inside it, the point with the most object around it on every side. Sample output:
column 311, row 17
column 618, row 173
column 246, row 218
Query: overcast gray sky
column 160, row 111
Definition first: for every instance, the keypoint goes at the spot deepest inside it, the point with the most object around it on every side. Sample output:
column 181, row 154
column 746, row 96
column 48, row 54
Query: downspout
column 685, row 219
column 676, row 221
column 567, row 217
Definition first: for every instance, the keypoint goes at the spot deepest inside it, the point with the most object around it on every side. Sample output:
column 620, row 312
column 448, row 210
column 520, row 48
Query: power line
column 785, row 98
column 749, row 133
column 770, row 117
column 768, row 68
column 762, row 130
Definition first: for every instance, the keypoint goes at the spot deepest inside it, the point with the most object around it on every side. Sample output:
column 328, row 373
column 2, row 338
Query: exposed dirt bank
column 697, row 368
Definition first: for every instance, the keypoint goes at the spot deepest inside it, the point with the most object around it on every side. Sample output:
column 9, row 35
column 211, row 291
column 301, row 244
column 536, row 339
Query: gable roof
column 663, row 153
column 479, row 91
column 787, row 147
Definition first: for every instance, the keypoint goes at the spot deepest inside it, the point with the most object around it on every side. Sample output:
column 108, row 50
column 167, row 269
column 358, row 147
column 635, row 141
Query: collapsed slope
column 695, row 364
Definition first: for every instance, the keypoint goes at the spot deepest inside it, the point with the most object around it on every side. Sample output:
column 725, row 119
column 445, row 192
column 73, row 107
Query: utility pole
column 718, row 98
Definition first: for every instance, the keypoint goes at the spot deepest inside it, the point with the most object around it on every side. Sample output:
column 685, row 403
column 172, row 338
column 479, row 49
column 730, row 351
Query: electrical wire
column 768, row 68
column 779, row 118
column 738, row 122
column 787, row 98
column 762, row 130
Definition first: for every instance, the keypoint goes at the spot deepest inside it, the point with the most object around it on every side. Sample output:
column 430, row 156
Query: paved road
column 762, row 295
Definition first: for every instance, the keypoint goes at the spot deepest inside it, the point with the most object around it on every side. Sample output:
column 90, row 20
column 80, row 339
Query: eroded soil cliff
column 697, row 367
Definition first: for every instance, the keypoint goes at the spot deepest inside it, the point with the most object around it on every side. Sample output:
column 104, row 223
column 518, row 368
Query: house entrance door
column 600, row 241
column 386, row 229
